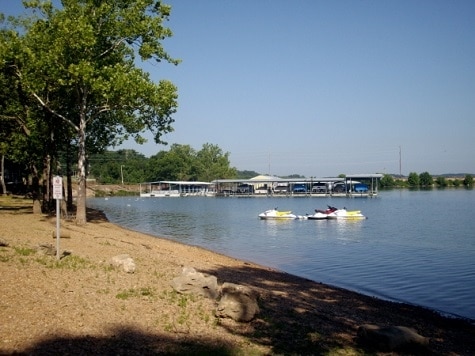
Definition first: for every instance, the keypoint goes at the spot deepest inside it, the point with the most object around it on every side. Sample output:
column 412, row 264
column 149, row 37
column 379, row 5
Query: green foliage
column 387, row 181
column 176, row 164
column 182, row 162
column 413, row 180
column 75, row 81
column 441, row 182
column 468, row 181
column 246, row 174
column 212, row 163
column 425, row 180
column 294, row 176
column 111, row 167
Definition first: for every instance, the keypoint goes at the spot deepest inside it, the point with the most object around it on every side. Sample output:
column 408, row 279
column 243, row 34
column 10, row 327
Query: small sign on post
column 58, row 195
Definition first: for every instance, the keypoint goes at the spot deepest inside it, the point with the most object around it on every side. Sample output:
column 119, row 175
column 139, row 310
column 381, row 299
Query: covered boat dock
column 171, row 188
column 354, row 185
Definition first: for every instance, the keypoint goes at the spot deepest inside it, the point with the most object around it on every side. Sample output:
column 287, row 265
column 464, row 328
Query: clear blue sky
column 320, row 88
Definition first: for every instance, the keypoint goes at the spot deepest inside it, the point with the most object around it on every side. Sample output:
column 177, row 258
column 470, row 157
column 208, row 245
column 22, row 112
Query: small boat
column 346, row 214
column 322, row 214
column 276, row 214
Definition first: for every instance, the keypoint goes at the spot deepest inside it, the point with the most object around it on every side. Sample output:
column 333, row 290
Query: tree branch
column 54, row 113
column 110, row 49
column 20, row 122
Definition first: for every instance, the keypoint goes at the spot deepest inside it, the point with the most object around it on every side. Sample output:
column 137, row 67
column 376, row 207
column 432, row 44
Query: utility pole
column 269, row 164
column 400, row 170
column 122, row 173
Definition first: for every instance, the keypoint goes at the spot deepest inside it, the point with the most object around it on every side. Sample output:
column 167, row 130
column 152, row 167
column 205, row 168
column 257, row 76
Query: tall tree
column 213, row 164
column 79, row 65
column 387, row 181
column 176, row 164
column 425, row 179
column 413, row 180
column 468, row 181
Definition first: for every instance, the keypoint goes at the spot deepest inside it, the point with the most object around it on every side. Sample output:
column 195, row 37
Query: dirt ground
column 82, row 305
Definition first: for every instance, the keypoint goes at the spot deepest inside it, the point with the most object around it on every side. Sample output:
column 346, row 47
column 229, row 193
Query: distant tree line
column 180, row 162
column 425, row 180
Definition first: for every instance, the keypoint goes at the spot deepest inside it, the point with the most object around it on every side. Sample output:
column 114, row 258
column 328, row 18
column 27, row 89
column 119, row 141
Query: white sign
column 57, row 187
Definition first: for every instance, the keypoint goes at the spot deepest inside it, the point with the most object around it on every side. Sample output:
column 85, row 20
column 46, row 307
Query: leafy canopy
column 75, row 69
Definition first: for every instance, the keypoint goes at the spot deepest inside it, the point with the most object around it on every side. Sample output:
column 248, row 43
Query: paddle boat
column 276, row 214
column 346, row 214
column 322, row 214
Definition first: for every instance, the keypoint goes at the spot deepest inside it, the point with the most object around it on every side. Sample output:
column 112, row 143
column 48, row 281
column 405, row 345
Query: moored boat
column 322, row 214
column 346, row 214
column 276, row 214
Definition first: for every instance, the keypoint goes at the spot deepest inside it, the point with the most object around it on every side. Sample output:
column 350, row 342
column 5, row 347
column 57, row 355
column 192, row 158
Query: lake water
column 416, row 247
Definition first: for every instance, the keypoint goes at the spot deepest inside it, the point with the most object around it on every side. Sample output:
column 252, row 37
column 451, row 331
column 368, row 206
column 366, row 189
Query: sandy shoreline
column 82, row 305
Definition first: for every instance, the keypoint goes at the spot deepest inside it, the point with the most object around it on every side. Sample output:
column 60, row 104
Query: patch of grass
column 158, row 274
column 5, row 257
column 24, row 251
column 68, row 262
column 108, row 268
column 189, row 309
column 136, row 292
column 183, row 301
column 100, row 194
column 15, row 205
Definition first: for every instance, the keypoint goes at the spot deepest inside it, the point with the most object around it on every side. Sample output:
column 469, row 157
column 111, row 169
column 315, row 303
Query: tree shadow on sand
column 300, row 316
column 297, row 317
column 126, row 341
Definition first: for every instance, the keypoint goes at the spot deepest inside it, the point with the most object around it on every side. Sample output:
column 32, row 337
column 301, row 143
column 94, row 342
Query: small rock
column 124, row 261
column 191, row 281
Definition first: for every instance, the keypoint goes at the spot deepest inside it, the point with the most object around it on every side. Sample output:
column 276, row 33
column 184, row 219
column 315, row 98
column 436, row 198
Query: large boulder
column 389, row 338
column 237, row 302
column 192, row 282
column 124, row 261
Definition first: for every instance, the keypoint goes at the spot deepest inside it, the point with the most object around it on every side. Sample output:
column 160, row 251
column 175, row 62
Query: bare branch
column 54, row 113
column 20, row 122
column 112, row 48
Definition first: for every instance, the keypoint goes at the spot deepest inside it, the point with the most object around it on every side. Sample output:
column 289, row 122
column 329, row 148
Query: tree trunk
column 46, row 196
column 69, row 204
column 4, row 187
column 81, row 198
column 35, row 191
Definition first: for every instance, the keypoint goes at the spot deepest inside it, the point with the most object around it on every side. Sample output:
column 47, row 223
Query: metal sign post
column 58, row 195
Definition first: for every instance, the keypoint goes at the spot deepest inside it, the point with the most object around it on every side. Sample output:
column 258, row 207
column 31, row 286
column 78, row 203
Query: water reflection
column 348, row 228
column 277, row 226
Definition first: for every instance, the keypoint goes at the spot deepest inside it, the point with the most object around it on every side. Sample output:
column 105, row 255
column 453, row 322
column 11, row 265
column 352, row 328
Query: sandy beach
column 82, row 305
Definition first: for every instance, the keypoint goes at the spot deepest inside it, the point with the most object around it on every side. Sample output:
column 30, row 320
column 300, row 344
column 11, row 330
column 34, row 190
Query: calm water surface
column 416, row 247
